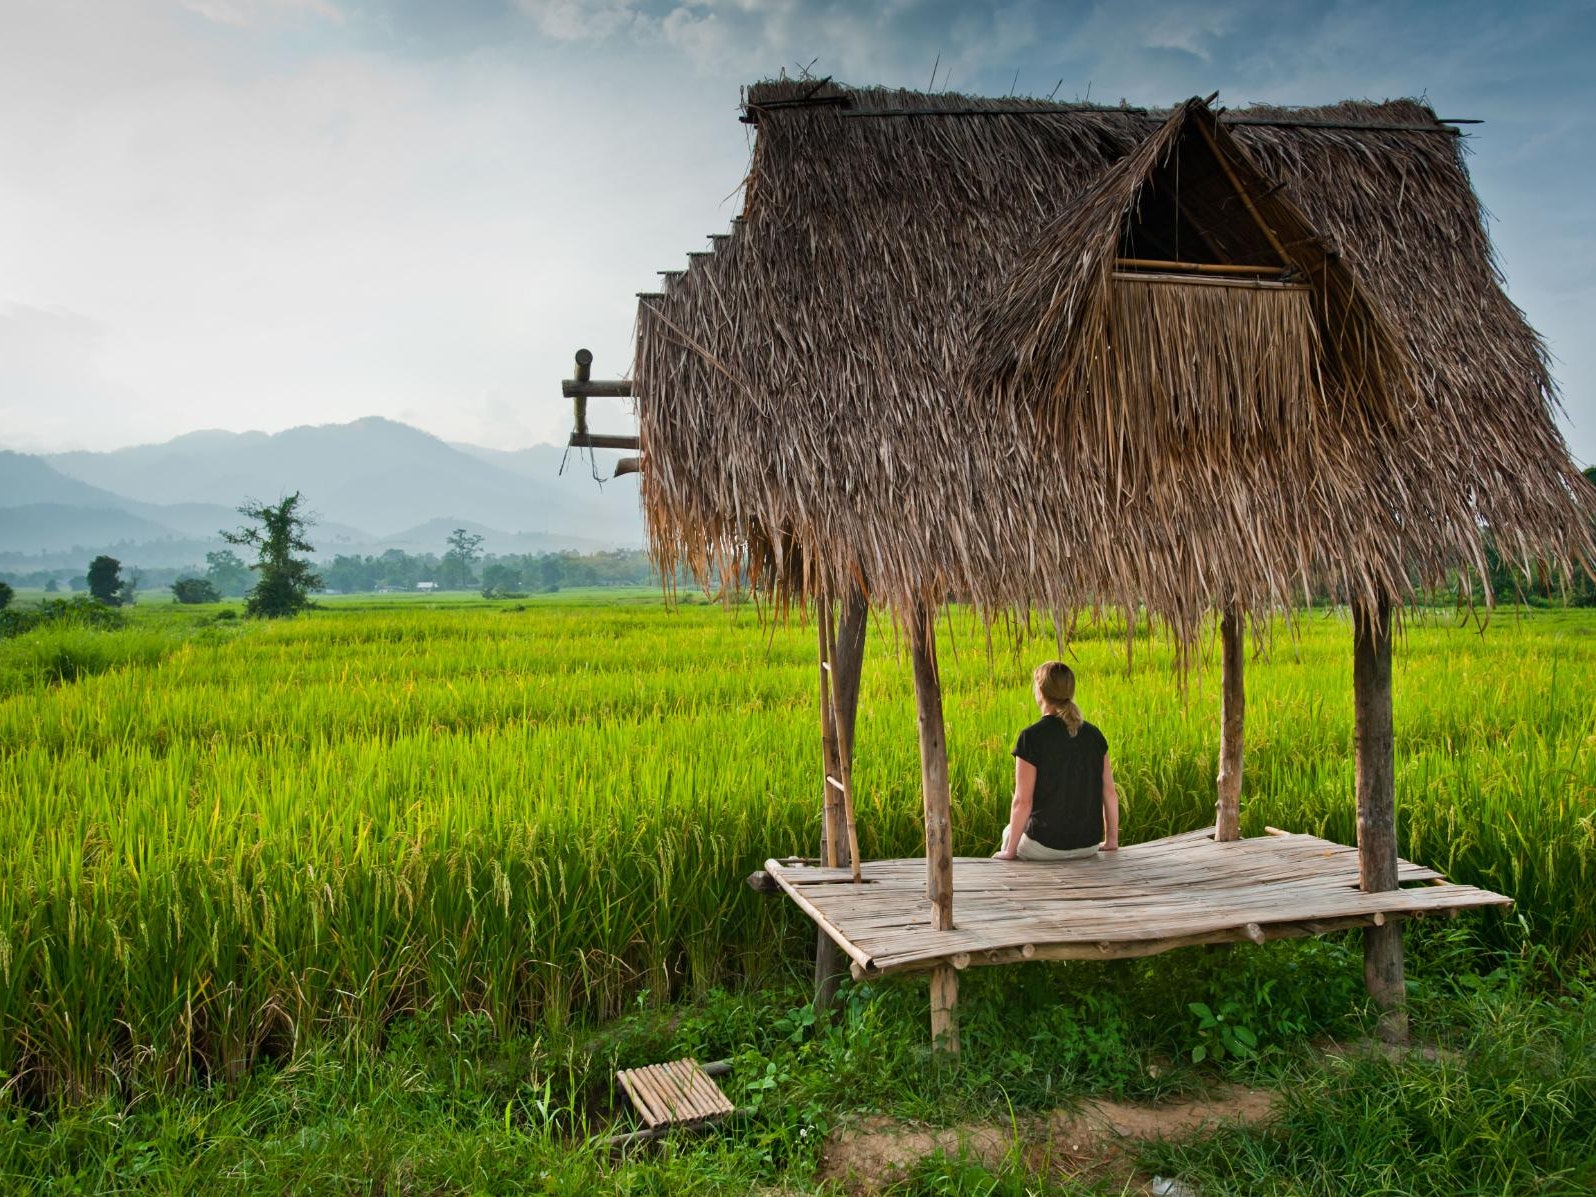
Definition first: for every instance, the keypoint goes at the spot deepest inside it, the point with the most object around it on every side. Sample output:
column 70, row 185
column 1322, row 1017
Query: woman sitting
column 1065, row 804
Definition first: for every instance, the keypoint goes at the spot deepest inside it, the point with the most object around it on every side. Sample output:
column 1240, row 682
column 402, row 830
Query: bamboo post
column 933, row 769
column 1377, row 844
column 938, row 824
column 843, row 779
column 945, row 1009
column 842, row 661
column 584, row 368
column 1232, row 721
column 830, row 843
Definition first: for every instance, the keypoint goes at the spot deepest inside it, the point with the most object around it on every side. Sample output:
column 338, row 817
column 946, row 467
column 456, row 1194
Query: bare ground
column 1086, row 1141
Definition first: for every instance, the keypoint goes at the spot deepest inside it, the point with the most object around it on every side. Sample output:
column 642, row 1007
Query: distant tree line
column 532, row 573
column 515, row 573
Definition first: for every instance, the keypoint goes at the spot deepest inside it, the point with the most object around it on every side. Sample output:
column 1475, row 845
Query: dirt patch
column 1087, row 1140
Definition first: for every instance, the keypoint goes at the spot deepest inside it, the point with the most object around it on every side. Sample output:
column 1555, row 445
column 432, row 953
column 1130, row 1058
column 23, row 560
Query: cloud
column 292, row 211
column 53, row 386
column 245, row 14
column 584, row 20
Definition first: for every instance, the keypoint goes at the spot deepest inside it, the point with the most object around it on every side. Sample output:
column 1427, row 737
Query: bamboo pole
column 933, row 769
column 842, row 661
column 938, row 823
column 1241, row 192
column 844, row 753
column 1377, row 842
column 1194, row 267
column 828, row 738
column 945, row 1009
column 1232, row 723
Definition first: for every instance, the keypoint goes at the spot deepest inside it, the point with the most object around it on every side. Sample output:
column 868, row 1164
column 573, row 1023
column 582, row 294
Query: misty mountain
column 433, row 536
column 25, row 479
column 45, row 527
column 373, row 474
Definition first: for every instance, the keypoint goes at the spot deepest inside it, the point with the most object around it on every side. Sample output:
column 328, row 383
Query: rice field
column 226, row 840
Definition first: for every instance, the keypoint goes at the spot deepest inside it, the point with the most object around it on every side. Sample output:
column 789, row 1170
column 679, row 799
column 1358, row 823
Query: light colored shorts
column 1031, row 850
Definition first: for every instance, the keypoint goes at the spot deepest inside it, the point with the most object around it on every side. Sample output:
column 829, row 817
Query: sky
column 254, row 214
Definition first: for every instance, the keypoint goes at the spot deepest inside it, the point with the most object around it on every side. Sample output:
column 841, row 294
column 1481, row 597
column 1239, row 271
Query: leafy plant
column 1221, row 1033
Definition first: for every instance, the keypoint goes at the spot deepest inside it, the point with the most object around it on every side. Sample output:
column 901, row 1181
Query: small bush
column 75, row 612
column 195, row 590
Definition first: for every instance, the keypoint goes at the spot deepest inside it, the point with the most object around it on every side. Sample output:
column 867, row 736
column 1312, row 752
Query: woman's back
column 1067, row 803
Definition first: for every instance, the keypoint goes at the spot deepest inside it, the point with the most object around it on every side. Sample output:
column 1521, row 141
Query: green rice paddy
column 226, row 841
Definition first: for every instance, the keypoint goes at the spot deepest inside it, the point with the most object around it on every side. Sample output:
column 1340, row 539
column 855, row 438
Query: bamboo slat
column 676, row 1093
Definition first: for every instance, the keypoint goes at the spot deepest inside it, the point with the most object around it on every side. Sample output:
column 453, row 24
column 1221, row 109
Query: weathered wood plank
column 1147, row 898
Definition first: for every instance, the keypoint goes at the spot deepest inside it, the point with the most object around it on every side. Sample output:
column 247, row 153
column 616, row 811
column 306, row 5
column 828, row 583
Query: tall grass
column 297, row 831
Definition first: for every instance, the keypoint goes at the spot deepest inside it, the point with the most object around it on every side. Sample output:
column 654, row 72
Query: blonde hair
column 1055, row 681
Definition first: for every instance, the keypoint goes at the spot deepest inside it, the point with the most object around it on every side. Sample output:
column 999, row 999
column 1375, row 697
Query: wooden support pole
column 584, row 370
column 842, row 665
column 945, row 1009
column 933, row 768
column 842, row 739
column 1232, row 723
column 1377, row 841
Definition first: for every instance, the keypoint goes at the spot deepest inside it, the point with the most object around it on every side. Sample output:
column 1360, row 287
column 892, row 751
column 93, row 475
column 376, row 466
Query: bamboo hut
column 1061, row 356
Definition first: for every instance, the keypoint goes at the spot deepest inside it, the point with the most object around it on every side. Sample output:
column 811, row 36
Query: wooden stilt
column 842, row 780
column 1233, row 717
column 842, row 660
column 938, row 823
column 1377, row 843
column 933, row 769
column 945, row 1009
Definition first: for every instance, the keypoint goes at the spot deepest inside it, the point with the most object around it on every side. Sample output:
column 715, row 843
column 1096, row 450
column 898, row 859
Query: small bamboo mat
column 679, row 1093
column 1143, row 899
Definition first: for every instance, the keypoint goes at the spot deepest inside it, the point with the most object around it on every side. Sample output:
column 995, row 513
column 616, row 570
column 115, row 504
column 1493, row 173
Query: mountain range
column 372, row 485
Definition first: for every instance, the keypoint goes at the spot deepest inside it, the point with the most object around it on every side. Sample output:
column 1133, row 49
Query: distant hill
column 47, row 527
column 373, row 485
column 25, row 479
column 373, row 474
column 432, row 537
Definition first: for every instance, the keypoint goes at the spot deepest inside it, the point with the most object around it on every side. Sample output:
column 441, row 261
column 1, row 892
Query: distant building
column 427, row 586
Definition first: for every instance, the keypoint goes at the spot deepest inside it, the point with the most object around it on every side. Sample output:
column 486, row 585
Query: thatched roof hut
column 919, row 362
column 1025, row 354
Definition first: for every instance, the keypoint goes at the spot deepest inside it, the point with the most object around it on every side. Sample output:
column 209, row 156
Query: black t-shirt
column 1067, row 806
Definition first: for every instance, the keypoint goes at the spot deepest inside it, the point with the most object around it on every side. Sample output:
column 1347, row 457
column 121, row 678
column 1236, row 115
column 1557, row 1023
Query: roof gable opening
column 1192, row 215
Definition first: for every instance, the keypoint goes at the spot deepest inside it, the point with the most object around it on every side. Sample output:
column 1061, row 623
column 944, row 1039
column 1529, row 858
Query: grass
column 232, row 845
column 457, row 1107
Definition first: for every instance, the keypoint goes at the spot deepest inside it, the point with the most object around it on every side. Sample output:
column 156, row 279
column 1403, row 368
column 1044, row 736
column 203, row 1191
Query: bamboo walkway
column 1141, row 900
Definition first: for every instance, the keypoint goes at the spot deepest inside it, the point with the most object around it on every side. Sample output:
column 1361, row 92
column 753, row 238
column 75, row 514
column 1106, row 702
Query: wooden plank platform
column 679, row 1093
column 1144, row 899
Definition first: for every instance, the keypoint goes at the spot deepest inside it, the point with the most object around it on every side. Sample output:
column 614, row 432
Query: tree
column 226, row 572
column 500, row 580
column 195, row 590
column 283, row 581
column 105, row 580
column 455, row 572
column 6, row 595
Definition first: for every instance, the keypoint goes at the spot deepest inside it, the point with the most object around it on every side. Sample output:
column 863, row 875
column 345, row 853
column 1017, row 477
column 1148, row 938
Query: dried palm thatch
column 914, row 364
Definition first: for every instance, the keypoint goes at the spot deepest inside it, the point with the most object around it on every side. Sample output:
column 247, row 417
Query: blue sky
column 260, row 213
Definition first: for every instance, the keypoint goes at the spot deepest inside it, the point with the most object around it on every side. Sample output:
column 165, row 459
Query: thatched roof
column 914, row 363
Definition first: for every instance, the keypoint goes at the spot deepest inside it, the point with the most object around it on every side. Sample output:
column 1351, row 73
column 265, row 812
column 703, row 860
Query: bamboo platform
column 1144, row 899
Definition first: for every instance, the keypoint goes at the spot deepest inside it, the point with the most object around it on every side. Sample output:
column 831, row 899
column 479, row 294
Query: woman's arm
column 1110, row 809
column 1020, row 808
